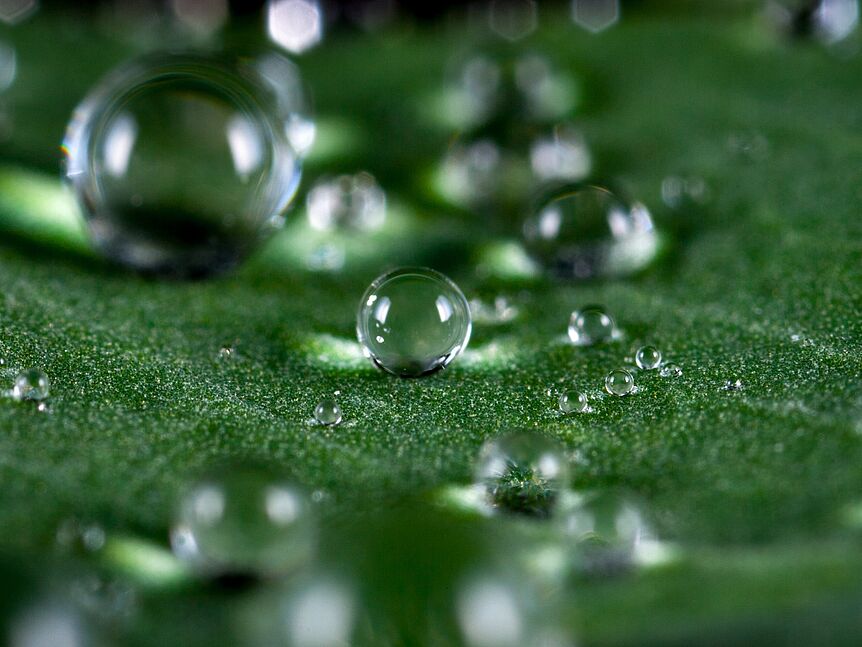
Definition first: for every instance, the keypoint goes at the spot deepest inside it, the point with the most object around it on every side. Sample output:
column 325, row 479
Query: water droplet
column 348, row 202
column 283, row 78
column 670, row 370
column 733, row 385
column 31, row 384
column 491, row 613
column 511, row 89
column 573, row 402
column 73, row 535
column 682, row 192
column 226, row 353
column 563, row 156
column 828, row 21
column 473, row 172
column 648, row 358
column 619, row 382
column 595, row 15
column 513, row 20
column 413, row 321
column 609, row 530
column 327, row 412
column 522, row 473
column 500, row 312
column 244, row 520
column 591, row 325
column 589, row 232
column 295, row 25
column 180, row 163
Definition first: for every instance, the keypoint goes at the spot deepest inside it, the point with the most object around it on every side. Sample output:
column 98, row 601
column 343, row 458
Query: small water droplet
column 351, row 202
column 591, row 325
column 226, row 353
column 243, row 520
column 328, row 412
column 670, row 370
column 424, row 315
column 589, row 232
column 31, row 384
column 619, row 382
column 573, row 402
column 522, row 473
column 648, row 358
column 733, row 385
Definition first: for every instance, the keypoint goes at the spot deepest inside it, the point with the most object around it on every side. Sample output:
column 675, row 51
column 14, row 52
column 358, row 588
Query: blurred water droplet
column 73, row 535
column 828, row 21
column 244, row 520
column 619, row 382
column 589, row 232
column 595, row 15
column 203, row 17
column 499, row 312
column 326, row 257
column 562, row 156
column 180, row 163
column 413, row 321
column 522, row 473
column 670, row 370
column 353, row 202
column 610, row 532
column 591, row 325
column 513, row 20
column 13, row 12
column 295, row 25
column 679, row 192
column 31, row 384
column 733, row 385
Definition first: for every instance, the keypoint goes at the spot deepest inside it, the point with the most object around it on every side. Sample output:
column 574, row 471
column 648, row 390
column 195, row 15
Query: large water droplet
column 180, row 163
column 522, row 473
column 413, row 321
column 589, row 232
column 244, row 520
column 31, row 384
column 591, row 325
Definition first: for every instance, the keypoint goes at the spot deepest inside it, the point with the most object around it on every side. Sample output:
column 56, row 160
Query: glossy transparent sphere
column 591, row 325
column 619, row 382
column 413, row 321
column 244, row 520
column 181, row 163
column 328, row 412
column 573, row 402
column 31, row 384
column 522, row 473
column 589, row 232
column 648, row 357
